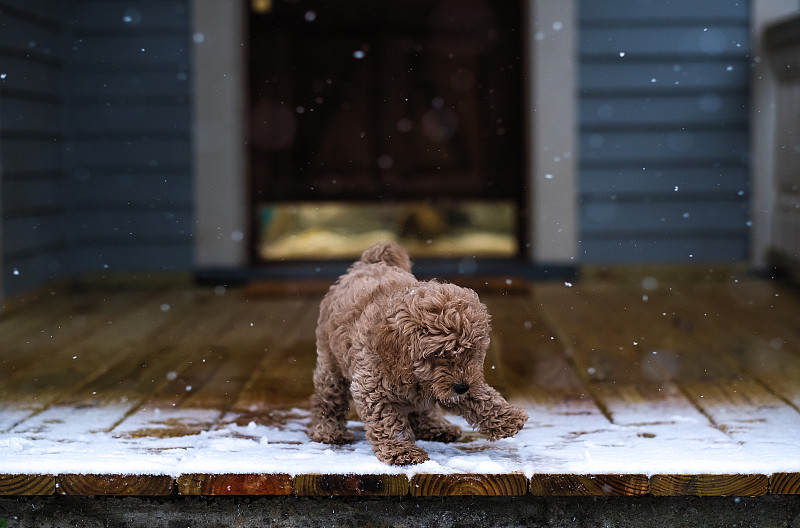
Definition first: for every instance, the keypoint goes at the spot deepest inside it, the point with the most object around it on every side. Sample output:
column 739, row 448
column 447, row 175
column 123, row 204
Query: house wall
column 96, row 139
column 34, row 206
column 97, row 116
column 128, row 144
column 664, row 90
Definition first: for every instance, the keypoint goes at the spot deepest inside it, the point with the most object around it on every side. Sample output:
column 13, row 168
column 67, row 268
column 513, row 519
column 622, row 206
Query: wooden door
column 386, row 101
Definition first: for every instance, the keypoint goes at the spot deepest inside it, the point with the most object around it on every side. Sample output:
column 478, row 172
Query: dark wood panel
column 446, row 124
column 549, row 485
column 709, row 485
column 234, row 484
column 326, row 485
column 138, row 485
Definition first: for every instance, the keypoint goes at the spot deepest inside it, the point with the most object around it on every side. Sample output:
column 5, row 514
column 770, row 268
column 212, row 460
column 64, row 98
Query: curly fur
column 403, row 349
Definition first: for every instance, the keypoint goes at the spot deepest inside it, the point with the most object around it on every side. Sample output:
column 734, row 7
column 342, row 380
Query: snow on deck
column 568, row 439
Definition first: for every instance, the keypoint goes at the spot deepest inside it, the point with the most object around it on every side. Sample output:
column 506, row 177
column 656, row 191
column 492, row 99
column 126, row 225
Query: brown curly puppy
column 399, row 347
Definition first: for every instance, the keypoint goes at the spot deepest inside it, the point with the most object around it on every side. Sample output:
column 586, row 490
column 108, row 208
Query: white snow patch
column 572, row 438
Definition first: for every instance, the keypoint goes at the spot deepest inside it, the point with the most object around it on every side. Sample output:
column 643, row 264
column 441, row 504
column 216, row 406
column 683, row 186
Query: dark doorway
column 386, row 119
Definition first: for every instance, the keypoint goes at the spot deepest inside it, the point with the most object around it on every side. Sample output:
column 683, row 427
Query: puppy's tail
column 388, row 252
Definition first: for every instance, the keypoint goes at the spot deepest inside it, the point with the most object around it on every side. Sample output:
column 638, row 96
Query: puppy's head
column 445, row 330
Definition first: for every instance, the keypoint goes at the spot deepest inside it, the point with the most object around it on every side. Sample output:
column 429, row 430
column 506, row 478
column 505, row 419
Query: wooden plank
column 758, row 330
column 290, row 355
column 105, row 399
column 749, row 413
column 566, row 485
column 143, row 368
column 325, row 485
column 614, row 332
column 267, row 323
column 624, row 351
column 525, row 359
column 649, row 354
column 784, row 484
column 217, row 368
column 768, row 308
column 24, row 317
column 27, row 485
column 775, row 368
column 448, row 485
column 709, row 485
column 234, row 484
column 99, row 389
column 85, row 351
column 74, row 318
column 130, row 485
column 287, row 288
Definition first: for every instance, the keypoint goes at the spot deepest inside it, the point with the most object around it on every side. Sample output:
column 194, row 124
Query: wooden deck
column 660, row 382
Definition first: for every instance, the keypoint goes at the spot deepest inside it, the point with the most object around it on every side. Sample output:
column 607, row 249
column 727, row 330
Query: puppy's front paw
column 401, row 455
column 506, row 424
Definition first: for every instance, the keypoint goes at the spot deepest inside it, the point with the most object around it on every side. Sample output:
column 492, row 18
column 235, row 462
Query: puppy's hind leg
column 329, row 404
column 431, row 425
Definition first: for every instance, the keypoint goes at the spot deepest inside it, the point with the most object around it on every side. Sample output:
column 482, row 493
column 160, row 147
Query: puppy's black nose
column 460, row 388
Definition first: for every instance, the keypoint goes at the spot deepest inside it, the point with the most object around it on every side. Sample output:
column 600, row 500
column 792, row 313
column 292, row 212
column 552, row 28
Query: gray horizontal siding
column 655, row 12
column 34, row 207
column 664, row 130
column 95, row 137
column 128, row 153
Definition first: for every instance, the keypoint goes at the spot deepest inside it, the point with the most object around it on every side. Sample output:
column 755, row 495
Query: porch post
column 763, row 119
column 2, row 298
column 552, row 152
column 219, row 166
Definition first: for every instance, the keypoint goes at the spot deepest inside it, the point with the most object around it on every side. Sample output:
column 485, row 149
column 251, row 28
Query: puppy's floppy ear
column 397, row 342
column 415, row 313
column 444, row 319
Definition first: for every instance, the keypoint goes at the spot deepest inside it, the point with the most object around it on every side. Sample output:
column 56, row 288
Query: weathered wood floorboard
column 647, row 353
column 672, row 351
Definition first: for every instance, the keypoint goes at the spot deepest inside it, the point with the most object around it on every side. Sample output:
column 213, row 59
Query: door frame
column 222, row 228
